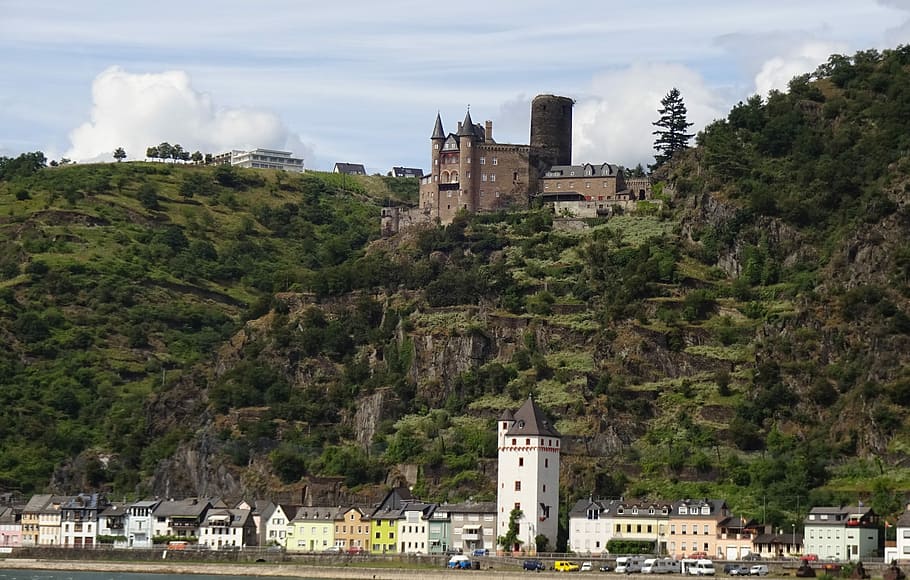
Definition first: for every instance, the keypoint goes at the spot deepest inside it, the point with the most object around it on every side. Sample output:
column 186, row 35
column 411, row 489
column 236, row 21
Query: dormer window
column 635, row 511
column 619, row 511
column 705, row 510
column 682, row 510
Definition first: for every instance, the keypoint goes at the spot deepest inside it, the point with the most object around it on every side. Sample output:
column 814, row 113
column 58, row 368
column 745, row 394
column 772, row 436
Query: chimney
column 488, row 129
column 459, row 128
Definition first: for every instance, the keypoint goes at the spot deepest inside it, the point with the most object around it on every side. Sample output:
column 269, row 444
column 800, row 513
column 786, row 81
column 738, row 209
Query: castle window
column 521, row 462
column 514, row 176
column 517, row 486
column 483, row 160
column 492, row 177
column 495, row 161
column 545, row 488
column 527, row 441
column 469, row 159
column 497, row 193
column 558, row 185
column 546, row 463
column 513, row 441
column 483, row 176
column 587, row 185
column 448, row 194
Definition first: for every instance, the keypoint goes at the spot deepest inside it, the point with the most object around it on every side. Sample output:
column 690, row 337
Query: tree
column 119, row 154
column 164, row 151
column 151, row 153
column 197, row 157
column 671, row 128
column 510, row 541
column 208, row 158
column 176, row 152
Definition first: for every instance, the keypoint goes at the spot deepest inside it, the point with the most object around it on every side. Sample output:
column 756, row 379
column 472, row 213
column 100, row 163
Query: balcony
column 470, row 536
column 449, row 186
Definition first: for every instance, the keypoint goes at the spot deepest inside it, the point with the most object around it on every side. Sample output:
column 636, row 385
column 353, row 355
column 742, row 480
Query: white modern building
column 413, row 528
column 845, row 533
column 266, row 159
column 528, row 475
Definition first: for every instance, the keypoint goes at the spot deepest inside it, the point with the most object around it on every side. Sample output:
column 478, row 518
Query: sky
column 361, row 81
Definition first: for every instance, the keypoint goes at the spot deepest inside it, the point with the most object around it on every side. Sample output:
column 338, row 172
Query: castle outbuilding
column 528, row 476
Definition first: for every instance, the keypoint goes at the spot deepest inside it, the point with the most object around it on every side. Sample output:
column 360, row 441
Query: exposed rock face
column 370, row 409
column 196, row 469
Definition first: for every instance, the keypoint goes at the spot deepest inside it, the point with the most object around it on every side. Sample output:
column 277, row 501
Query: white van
column 702, row 568
column 629, row 564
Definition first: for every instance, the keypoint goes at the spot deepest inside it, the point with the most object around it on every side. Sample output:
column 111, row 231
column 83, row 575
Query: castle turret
column 436, row 142
column 551, row 131
column 466, row 177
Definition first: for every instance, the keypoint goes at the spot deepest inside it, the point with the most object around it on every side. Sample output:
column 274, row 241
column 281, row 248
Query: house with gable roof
column 312, row 529
column 11, row 526
column 902, row 545
column 112, row 522
column 384, row 520
column 224, row 528
column 140, row 523
column 694, row 527
column 352, row 529
column 79, row 520
column 180, row 518
column 413, row 527
column 843, row 532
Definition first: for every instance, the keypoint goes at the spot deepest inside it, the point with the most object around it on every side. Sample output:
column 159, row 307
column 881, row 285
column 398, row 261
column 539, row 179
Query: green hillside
column 748, row 340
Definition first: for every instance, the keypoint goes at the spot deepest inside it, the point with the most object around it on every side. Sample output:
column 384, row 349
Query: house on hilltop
column 407, row 172
column 349, row 169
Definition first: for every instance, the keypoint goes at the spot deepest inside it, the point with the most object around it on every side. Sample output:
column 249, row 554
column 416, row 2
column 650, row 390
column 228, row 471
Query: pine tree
column 672, row 125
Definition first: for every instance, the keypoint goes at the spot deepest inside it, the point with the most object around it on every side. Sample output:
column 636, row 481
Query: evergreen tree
column 671, row 128
column 119, row 154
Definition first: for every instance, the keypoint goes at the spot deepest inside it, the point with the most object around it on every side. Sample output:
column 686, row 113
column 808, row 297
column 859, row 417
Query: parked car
column 586, row 567
column 481, row 552
column 333, row 550
column 606, row 568
column 565, row 566
column 736, row 570
column 811, row 557
column 453, row 551
column 758, row 570
column 534, row 565
column 354, row 550
column 752, row 557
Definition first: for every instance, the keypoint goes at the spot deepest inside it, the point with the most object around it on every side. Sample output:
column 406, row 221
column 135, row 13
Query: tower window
column 521, row 462
column 517, row 486
column 495, row 161
column 527, row 441
column 483, row 160
column 513, row 441
column 544, row 488
column 546, row 463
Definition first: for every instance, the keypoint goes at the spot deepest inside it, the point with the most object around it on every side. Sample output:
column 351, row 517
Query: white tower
column 528, row 475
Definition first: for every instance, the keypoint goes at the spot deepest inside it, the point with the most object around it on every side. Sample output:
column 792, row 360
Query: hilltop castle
column 470, row 171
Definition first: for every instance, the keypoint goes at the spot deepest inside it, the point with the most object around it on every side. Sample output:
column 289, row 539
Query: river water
column 68, row 575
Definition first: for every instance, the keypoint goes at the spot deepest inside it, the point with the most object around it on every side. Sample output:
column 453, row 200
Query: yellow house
column 312, row 530
column 384, row 521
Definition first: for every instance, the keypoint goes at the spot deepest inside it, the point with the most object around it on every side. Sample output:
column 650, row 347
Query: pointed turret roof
column 507, row 415
column 438, row 133
column 467, row 127
column 530, row 420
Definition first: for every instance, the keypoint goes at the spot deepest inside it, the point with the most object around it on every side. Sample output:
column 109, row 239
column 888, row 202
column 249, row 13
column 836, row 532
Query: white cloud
column 135, row 111
column 777, row 72
column 614, row 122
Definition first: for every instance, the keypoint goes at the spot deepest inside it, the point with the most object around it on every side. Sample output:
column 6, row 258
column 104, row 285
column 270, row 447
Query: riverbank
column 283, row 570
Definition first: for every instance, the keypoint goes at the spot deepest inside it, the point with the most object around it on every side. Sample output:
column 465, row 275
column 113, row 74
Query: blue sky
column 362, row 80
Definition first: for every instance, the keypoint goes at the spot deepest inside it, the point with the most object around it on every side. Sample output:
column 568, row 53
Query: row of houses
column 400, row 523
column 708, row 528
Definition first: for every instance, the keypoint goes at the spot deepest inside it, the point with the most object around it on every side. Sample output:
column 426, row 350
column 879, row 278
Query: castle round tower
column 551, row 131
column 466, row 156
column 528, row 475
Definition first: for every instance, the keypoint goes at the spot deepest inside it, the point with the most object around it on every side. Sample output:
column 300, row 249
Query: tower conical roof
column 530, row 420
column 438, row 133
column 467, row 127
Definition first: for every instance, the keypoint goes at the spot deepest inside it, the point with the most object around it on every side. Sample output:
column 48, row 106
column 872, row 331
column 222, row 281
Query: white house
column 903, row 537
column 528, row 476
column 590, row 526
column 139, row 523
column 224, row 528
column 49, row 520
column 273, row 525
column 179, row 518
column 112, row 522
column 413, row 528
column 845, row 533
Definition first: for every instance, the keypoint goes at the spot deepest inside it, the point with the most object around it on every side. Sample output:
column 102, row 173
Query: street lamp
column 793, row 539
